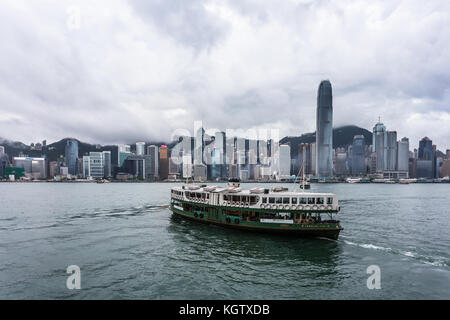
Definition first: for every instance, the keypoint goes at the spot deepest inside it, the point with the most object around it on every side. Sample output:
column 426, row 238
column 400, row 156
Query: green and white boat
column 273, row 210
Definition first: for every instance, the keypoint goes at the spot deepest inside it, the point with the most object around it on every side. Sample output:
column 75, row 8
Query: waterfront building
column 53, row 169
column 373, row 163
column 447, row 153
column 425, row 149
column 403, row 155
column 390, row 151
column 140, row 148
column 412, row 167
column 174, row 166
column 71, row 152
column 358, row 159
column 285, row 161
column 200, row 172
column 64, row 171
column 187, row 166
column 107, row 163
column 2, row 150
column 123, row 151
column 96, row 165
column 340, row 162
column 305, row 151
column 324, row 130
column 439, row 162
column 35, row 168
column 199, row 145
column 444, row 170
column 243, row 175
column 86, row 167
column 163, row 162
column 424, row 168
column 4, row 163
column 379, row 131
column 153, row 153
column 135, row 165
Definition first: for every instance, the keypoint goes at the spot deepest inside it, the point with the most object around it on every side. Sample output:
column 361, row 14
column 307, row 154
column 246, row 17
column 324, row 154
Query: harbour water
column 129, row 246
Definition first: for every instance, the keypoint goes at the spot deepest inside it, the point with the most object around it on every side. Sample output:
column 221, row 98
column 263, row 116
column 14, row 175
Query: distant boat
column 353, row 180
column 103, row 181
column 407, row 181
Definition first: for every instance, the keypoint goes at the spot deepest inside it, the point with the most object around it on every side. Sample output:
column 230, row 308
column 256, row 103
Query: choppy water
column 129, row 246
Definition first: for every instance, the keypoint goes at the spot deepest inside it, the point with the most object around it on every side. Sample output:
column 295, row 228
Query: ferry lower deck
column 283, row 221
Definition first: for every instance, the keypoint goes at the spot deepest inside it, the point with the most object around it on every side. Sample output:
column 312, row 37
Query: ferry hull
column 330, row 231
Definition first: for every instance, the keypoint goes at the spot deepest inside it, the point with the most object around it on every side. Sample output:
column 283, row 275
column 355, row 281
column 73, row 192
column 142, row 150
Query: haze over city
column 123, row 71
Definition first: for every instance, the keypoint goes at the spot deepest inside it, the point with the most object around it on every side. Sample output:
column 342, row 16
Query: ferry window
column 319, row 201
column 285, row 200
column 279, row 200
column 198, row 195
column 271, row 200
column 294, row 200
column 310, row 200
column 236, row 198
column 302, row 200
column 329, row 200
column 253, row 200
column 264, row 200
column 225, row 197
column 245, row 199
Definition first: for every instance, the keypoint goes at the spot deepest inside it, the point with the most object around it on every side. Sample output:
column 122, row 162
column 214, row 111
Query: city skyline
column 231, row 67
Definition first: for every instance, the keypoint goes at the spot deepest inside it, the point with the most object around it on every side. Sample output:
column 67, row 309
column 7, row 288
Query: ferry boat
column 302, row 214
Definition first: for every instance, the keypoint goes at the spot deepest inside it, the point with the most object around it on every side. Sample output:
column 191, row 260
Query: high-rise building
column 187, row 166
column 378, row 145
column 424, row 168
column 199, row 145
column 340, row 162
column 163, row 162
column 324, row 130
column 140, row 148
column 123, row 151
column 358, row 162
column 403, row 155
column 425, row 149
column 72, row 156
column 35, row 168
column 86, row 167
column 96, row 165
column 285, row 161
column 390, row 151
column 153, row 153
column 2, row 150
column 107, row 163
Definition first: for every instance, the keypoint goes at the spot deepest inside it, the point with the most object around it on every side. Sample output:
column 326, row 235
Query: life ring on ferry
column 322, row 207
column 293, row 207
column 329, row 207
column 228, row 220
column 280, row 206
column 261, row 206
column 315, row 207
column 307, row 207
column 300, row 207
column 286, row 206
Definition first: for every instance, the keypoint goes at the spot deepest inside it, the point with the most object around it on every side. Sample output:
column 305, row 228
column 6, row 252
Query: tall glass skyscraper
column 358, row 155
column 72, row 156
column 324, row 130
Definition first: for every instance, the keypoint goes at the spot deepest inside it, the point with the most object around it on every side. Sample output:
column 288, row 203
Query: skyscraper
column 403, row 155
column 123, row 151
column 324, row 130
column 379, row 132
column 358, row 164
column 153, row 153
column 140, row 148
column 426, row 149
column 164, row 162
column 72, row 156
column 107, row 163
column 285, row 161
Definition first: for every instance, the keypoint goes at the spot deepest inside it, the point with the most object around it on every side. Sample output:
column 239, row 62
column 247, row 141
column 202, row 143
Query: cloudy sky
column 120, row 71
